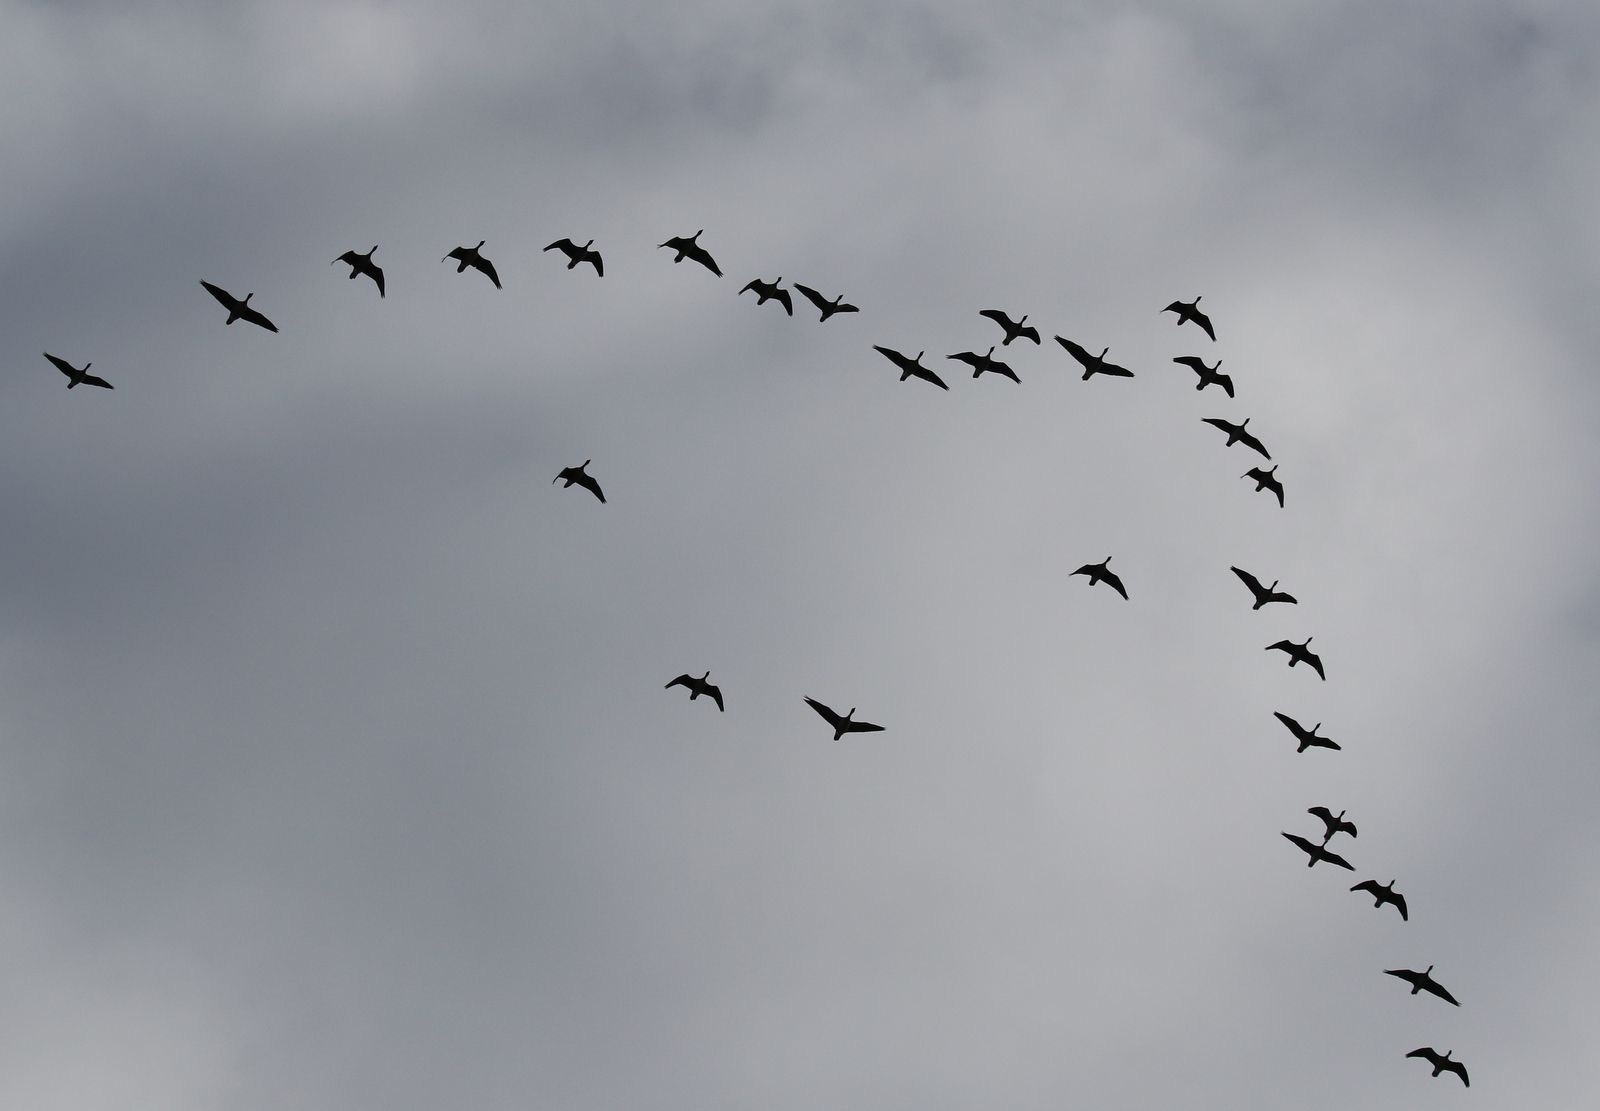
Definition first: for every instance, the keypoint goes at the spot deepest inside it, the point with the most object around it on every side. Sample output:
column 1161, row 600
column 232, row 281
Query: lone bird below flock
column 1094, row 364
column 237, row 309
column 1190, row 310
column 824, row 306
column 76, row 377
column 1266, row 481
column 576, row 254
column 1299, row 654
column 577, row 474
column 1335, row 825
column 909, row 367
column 1014, row 329
column 769, row 291
column 1264, row 594
column 1307, row 737
column 842, row 725
column 688, row 248
column 1318, row 853
column 1237, row 435
column 1442, row 1064
column 1099, row 572
column 363, row 264
column 1208, row 374
column 980, row 363
column 469, row 256
column 697, row 687
column 1384, row 893
column 1422, row 981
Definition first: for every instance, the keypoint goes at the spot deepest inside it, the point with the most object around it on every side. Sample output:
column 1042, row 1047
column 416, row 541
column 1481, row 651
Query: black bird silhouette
column 1094, row 364
column 981, row 363
column 1264, row 594
column 769, row 291
column 911, row 366
column 1442, row 1064
column 469, row 256
column 697, row 687
column 576, row 474
column 363, row 264
column 1335, row 825
column 825, row 306
column 1299, row 654
column 1099, row 572
column 1190, row 310
column 842, row 725
column 1307, row 737
column 237, row 309
column 1208, row 374
column 1384, row 893
column 1318, row 853
column 576, row 254
column 1237, row 435
column 1421, row 981
column 1014, row 329
column 688, row 248
column 1266, row 481
column 76, row 377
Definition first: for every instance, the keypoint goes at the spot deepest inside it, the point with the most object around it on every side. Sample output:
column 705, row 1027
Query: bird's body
column 1263, row 594
column 1299, row 654
column 909, row 367
column 1266, row 481
column 1307, row 737
column 1093, row 364
column 76, row 377
column 469, row 256
column 363, row 264
column 1318, row 853
column 1422, row 981
column 1384, row 893
column 1190, row 310
column 986, row 362
column 842, row 725
column 1208, row 374
column 1099, row 572
column 824, row 306
column 769, row 291
column 576, row 254
column 578, row 475
column 1334, row 825
column 1014, row 328
column 697, row 687
column 1442, row 1064
column 688, row 248
column 237, row 309
column 1238, row 435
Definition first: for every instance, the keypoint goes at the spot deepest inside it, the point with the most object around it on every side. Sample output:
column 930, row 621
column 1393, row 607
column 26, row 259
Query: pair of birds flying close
column 841, row 724
column 769, row 291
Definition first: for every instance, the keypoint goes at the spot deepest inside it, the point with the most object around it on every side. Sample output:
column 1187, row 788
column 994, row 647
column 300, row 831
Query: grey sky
column 335, row 768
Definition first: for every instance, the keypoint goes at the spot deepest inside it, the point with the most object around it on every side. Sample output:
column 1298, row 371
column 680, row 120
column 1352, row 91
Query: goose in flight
column 1422, row 981
column 363, row 264
column 576, row 474
column 1384, row 893
column 576, row 254
column 1266, row 481
column 1318, row 853
column 1335, row 825
column 1264, row 594
column 1299, row 654
column 237, row 309
column 1014, row 329
column 1208, row 374
column 688, row 248
column 469, row 256
column 1237, row 435
column 1190, row 310
column 1094, row 364
column 697, row 687
column 909, row 367
column 1442, row 1064
column 76, row 377
column 1307, row 737
column 842, row 725
column 769, row 291
column 825, row 306
column 981, row 363
column 1099, row 572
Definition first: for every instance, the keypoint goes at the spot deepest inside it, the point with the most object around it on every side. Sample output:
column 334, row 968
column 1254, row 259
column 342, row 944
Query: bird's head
column 986, row 354
column 586, row 246
column 1104, row 353
column 851, row 714
column 707, row 675
column 481, row 242
column 1021, row 322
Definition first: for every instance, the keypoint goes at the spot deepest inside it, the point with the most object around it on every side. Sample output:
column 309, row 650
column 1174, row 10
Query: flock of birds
column 1317, row 852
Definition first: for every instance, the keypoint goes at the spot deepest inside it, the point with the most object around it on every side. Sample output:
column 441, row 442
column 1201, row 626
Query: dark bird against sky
column 363, row 264
column 1190, row 310
column 1442, row 1064
column 769, row 291
column 1307, row 737
column 1263, row 594
column 910, row 367
column 576, row 254
column 1334, row 825
column 76, row 377
column 578, row 475
column 237, row 309
column 1384, row 893
column 825, row 306
column 985, row 362
column 469, row 256
column 1318, row 853
column 688, row 248
column 697, row 687
column 1266, row 481
column 1299, row 654
column 1208, row 374
column 1094, row 364
column 1099, row 572
column 1422, row 981
column 1014, row 328
column 1237, row 435
column 842, row 725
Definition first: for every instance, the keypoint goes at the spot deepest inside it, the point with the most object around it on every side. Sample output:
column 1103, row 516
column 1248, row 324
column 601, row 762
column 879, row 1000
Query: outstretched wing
column 92, row 380
column 1335, row 858
column 1076, row 352
column 827, row 713
column 1249, row 580
column 1410, row 977
column 861, row 727
column 226, row 299
column 247, row 313
column 1325, row 814
column 1194, row 363
column 1459, row 1069
column 1316, row 662
column 755, row 284
column 1112, row 368
column 1433, row 987
column 588, row 483
column 1372, row 888
column 1281, row 646
column 1254, row 444
column 1030, row 332
column 1178, row 307
column 1204, row 321
column 682, row 680
column 488, row 268
column 893, row 356
column 716, row 695
column 565, row 246
column 1306, row 846
column 703, row 257
column 1116, row 583
column 1218, row 422
column 1397, row 899
column 376, row 273
column 63, row 366
column 783, row 298
column 813, row 296
column 926, row 375
column 971, row 358
column 349, row 257
column 998, row 317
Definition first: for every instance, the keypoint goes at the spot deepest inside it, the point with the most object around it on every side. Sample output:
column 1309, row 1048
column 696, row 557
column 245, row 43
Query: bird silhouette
column 76, row 377
column 1422, row 981
column 363, row 264
column 909, row 367
column 825, row 306
column 1094, row 364
column 1384, row 893
column 1299, row 654
column 1190, row 310
column 1264, row 594
column 469, row 256
column 576, row 254
column 981, row 363
column 1266, row 481
column 1307, row 737
column 1014, row 329
column 1237, row 435
column 237, row 309
column 697, row 687
column 1099, row 572
column 769, row 291
column 688, row 248
column 1318, row 853
column 1208, row 374
column 842, row 725
column 1335, row 825
column 576, row 474
column 1442, row 1064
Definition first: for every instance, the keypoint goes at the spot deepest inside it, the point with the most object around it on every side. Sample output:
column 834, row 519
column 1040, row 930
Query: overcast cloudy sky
column 336, row 772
